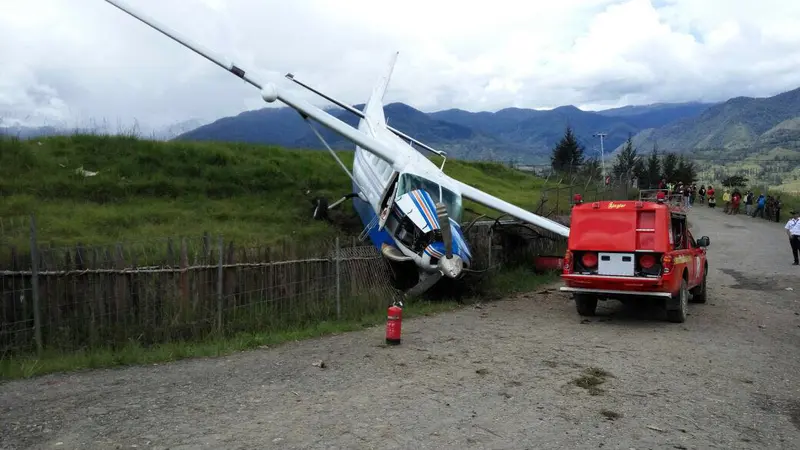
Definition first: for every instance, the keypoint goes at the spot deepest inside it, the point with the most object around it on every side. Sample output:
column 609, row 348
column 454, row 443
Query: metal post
column 338, row 282
column 221, row 249
column 558, row 195
column 37, row 319
column 602, row 152
column 491, row 239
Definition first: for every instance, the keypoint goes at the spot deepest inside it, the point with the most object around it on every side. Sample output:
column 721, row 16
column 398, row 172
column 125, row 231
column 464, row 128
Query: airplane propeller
column 447, row 235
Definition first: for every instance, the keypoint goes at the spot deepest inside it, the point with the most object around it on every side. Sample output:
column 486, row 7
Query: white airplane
column 410, row 208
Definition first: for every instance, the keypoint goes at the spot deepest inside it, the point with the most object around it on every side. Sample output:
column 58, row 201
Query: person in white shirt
column 793, row 231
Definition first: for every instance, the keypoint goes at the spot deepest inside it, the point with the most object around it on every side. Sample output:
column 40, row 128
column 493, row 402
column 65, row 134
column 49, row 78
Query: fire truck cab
column 628, row 250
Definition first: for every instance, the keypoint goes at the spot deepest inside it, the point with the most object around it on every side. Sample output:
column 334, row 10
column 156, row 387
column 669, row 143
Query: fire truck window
column 679, row 232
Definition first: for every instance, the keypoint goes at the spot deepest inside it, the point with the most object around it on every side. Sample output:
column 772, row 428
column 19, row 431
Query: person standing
column 777, row 207
column 735, row 199
column 726, row 198
column 793, row 231
column 761, row 203
column 687, row 192
column 712, row 201
column 748, row 203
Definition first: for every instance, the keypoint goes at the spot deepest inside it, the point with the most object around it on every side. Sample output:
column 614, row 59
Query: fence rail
column 72, row 298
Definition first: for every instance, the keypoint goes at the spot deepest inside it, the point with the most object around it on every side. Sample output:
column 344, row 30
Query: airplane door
column 387, row 200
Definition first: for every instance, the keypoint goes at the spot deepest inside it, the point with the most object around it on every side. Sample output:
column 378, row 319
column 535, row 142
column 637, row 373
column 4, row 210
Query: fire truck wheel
column 586, row 304
column 680, row 305
column 699, row 296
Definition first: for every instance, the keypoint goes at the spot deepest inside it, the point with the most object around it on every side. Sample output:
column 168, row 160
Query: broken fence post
column 220, row 267
column 37, row 318
column 338, row 281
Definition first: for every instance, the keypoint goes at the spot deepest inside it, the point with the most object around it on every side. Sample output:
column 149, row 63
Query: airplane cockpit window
column 451, row 200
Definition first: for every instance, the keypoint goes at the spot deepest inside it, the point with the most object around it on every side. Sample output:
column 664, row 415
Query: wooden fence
column 163, row 290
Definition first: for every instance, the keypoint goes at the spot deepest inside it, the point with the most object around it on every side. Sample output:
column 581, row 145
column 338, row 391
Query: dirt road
column 522, row 373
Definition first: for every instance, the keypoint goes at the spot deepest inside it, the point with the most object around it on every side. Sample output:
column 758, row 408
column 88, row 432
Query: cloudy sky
column 84, row 61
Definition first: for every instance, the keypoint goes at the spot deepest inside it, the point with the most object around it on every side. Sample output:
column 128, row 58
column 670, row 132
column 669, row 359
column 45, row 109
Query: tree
column 668, row 165
column 628, row 164
column 735, row 181
column 568, row 153
column 591, row 168
column 653, row 170
column 686, row 171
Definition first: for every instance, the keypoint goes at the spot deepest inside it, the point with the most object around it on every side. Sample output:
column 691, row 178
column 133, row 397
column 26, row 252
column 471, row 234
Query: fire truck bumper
column 615, row 286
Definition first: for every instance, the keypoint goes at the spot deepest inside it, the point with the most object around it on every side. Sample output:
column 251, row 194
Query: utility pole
column 602, row 153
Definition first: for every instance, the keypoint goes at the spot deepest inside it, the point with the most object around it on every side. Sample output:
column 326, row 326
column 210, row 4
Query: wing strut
column 360, row 114
column 335, row 156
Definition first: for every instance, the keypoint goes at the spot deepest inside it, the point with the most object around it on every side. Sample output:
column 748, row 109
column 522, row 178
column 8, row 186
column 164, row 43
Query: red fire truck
column 635, row 249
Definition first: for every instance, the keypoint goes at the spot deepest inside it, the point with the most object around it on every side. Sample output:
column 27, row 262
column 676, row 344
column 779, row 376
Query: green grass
column 251, row 194
column 503, row 283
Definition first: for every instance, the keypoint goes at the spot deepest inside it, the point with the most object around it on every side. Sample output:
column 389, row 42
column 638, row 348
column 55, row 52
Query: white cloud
column 76, row 60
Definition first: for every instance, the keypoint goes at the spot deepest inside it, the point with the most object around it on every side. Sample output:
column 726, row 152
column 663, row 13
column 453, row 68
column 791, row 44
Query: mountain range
column 528, row 135
column 163, row 133
column 522, row 135
column 738, row 127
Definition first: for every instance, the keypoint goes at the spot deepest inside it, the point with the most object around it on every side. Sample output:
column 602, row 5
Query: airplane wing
column 495, row 203
column 269, row 91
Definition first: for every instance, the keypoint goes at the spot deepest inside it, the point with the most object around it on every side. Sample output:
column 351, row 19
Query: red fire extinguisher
column 394, row 322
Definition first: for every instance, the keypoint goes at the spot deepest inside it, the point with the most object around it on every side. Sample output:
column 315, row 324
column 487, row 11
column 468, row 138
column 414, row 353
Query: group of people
column 766, row 207
column 686, row 193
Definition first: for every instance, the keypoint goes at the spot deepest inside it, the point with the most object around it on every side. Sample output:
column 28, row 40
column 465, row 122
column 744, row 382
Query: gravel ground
column 500, row 376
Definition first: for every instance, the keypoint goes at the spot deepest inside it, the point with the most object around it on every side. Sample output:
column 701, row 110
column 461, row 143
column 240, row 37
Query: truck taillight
column 589, row 260
column 567, row 262
column 647, row 261
column 667, row 263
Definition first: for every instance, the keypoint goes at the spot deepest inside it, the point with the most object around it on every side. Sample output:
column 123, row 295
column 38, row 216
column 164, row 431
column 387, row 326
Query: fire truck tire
column 586, row 304
column 679, row 308
column 699, row 296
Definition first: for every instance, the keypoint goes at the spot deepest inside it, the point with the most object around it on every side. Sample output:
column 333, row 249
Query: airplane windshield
column 451, row 200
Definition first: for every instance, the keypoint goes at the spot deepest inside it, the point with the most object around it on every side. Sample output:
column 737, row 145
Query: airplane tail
column 373, row 110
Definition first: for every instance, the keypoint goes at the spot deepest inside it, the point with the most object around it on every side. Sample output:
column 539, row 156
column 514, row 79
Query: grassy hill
column 147, row 189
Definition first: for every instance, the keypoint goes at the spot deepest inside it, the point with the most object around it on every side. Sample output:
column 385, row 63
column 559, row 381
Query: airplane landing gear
column 321, row 206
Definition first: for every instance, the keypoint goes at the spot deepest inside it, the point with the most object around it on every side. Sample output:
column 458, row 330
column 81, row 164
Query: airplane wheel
column 320, row 211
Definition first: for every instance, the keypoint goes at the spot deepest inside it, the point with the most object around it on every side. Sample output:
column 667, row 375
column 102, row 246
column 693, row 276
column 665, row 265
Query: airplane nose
column 451, row 268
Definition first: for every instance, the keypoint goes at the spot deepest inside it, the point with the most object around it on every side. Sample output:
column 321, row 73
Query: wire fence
column 162, row 290
column 557, row 201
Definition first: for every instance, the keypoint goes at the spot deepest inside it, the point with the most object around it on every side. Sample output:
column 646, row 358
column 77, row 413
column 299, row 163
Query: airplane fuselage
column 404, row 195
